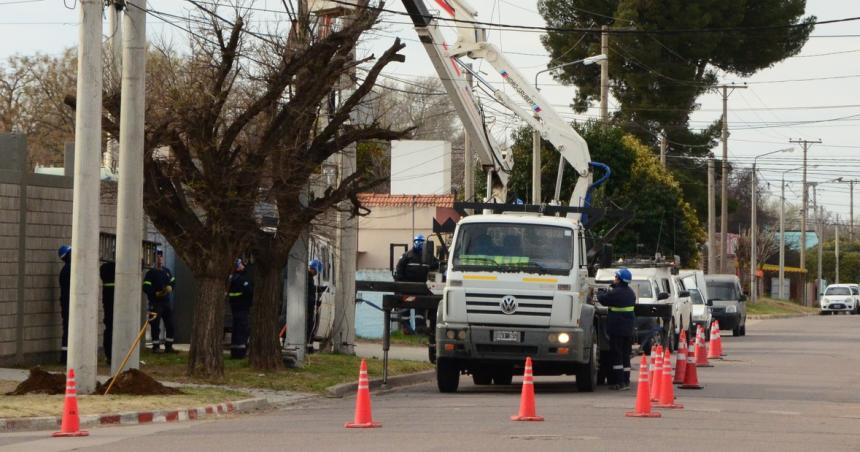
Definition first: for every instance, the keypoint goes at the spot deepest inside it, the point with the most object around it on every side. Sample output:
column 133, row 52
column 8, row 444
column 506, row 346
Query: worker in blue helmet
column 241, row 295
column 620, row 300
column 65, row 255
column 412, row 268
column 315, row 270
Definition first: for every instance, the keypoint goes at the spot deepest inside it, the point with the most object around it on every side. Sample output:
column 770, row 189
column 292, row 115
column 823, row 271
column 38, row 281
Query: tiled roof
column 386, row 200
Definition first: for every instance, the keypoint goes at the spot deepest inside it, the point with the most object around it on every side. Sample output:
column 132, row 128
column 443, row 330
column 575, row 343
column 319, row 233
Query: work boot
column 168, row 348
column 156, row 348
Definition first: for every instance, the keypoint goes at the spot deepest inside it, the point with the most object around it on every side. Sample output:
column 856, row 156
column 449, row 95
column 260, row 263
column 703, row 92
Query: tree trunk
column 265, row 351
column 206, row 358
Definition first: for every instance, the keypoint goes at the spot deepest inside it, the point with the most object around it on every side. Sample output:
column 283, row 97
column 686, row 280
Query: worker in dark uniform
column 620, row 300
column 65, row 255
column 315, row 267
column 241, row 295
column 411, row 268
column 107, row 271
column 158, row 284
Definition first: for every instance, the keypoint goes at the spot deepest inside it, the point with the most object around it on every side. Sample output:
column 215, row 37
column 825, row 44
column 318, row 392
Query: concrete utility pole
column 712, row 219
column 781, row 291
column 724, row 189
column 803, row 213
column 83, row 307
column 468, row 159
column 536, row 167
column 836, row 251
column 604, row 75
column 129, row 218
column 820, row 234
column 851, row 212
column 663, row 145
column 114, row 42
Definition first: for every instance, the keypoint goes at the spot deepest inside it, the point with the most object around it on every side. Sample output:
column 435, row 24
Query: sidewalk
column 404, row 352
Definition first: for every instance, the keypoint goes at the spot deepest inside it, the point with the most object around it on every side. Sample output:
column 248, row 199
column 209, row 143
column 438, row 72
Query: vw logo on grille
column 508, row 304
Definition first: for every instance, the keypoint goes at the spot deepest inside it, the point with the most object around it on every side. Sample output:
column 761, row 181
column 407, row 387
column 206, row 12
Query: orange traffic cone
column 657, row 375
column 713, row 344
column 363, row 417
column 71, row 421
column 681, row 359
column 667, row 391
column 643, row 397
column 719, row 338
column 691, row 377
column 527, row 399
column 701, row 353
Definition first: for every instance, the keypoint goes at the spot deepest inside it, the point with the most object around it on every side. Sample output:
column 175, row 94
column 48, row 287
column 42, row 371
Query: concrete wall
column 387, row 225
column 35, row 219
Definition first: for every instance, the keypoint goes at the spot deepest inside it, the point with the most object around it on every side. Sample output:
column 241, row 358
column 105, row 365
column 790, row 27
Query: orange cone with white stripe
column 681, row 359
column 713, row 343
column 657, row 375
column 71, row 425
column 643, row 396
column 363, row 417
column 719, row 338
column 701, row 353
column 691, row 377
column 667, row 391
column 527, row 399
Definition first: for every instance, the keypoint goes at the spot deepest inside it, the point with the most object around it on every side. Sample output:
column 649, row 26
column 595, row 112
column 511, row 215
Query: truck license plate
column 506, row 336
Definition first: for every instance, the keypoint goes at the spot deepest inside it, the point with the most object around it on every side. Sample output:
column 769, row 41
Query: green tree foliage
column 849, row 262
column 663, row 221
column 656, row 78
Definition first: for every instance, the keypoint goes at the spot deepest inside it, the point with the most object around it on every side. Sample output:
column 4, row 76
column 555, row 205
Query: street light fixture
column 536, row 191
column 754, row 226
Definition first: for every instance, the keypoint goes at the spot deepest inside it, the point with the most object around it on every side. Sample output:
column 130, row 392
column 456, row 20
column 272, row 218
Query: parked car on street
column 729, row 302
column 694, row 282
column 840, row 298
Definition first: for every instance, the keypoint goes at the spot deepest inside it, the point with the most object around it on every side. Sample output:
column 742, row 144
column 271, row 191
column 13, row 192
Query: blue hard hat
column 624, row 274
column 63, row 251
column 418, row 241
column 238, row 263
column 316, row 265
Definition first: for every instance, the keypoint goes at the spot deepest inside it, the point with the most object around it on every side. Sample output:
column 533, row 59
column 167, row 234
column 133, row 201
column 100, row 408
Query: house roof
column 386, row 200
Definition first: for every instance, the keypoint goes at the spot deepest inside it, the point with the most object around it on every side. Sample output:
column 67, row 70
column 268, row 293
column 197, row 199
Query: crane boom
column 450, row 71
column 472, row 43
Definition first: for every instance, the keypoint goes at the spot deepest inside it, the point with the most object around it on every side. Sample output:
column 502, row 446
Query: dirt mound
column 41, row 382
column 135, row 382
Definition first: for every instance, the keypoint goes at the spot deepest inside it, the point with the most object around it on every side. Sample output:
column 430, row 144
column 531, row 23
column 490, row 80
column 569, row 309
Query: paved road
column 791, row 384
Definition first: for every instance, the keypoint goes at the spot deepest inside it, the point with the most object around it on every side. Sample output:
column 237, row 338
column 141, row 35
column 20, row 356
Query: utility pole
column 114, row 42
column 536, row 160
column 781, row 292
column 819, row 233
column 753, row 238
column 724, row 189
column 663, row 145
column 803, row 212
column 836, row 238
column 468, row 159
column 851, row 213
column 712, row 220
column 129, row 218
column 83, row 307
column 604, row 74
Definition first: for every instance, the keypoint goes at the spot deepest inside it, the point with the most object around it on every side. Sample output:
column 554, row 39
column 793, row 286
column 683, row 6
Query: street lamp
column 753, row 225
column 536, row 188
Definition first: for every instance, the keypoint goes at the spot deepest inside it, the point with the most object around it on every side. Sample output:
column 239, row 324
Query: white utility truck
column 517, row 283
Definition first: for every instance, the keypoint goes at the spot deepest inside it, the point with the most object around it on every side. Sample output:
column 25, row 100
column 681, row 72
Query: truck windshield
column 837, row 291
column 642, row 288
column 696, row 296
column 512, row 247
column 722, row 290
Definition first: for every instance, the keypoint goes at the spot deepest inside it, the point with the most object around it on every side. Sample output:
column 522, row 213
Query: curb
column 341, row 390
column 135, row 417
column 779, row 316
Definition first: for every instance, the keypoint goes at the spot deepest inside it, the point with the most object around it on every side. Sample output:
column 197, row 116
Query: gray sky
column 762, row 118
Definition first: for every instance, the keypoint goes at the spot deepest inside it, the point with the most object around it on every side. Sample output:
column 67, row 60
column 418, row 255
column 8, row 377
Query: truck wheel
column 736, row 331
column 431, row 353
column 673, row 338
column 482, row 378
column 447, row 375
column 503, row 377
column 586, row 374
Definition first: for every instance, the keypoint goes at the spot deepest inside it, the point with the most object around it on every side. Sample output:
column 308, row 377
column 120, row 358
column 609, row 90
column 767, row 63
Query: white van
column 694, row 282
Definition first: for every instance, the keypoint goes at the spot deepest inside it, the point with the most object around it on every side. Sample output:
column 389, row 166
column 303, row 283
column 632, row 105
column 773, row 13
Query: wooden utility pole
column 803, row 212
column 724, row 188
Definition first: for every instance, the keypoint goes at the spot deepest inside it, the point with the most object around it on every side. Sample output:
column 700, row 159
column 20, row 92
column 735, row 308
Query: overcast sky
column 762, row 118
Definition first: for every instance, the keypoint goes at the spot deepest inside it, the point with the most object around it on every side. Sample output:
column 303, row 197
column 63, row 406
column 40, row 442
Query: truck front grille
column 507, row 349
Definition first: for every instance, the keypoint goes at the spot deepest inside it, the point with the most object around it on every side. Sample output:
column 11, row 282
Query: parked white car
column 694, row 282
column 841, row 298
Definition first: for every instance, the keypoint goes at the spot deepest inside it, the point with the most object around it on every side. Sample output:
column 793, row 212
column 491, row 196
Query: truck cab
column 516, row 287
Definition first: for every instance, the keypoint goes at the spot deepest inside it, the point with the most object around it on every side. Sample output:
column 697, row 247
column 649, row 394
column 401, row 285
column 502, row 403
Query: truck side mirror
column 742, row 298
column 662, row 296
column 709, row 302
column 428, row 253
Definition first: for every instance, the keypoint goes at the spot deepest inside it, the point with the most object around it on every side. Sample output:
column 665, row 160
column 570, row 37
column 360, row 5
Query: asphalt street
column 790, row 384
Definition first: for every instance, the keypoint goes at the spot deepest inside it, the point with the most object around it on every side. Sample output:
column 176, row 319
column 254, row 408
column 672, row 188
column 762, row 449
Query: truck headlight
column 731, row 309
column 563, row 338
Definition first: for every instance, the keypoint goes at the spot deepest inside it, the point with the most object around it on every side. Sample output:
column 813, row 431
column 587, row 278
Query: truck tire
column 447, row 375
column 586, row 374
column 482, row 378
column 503, row 377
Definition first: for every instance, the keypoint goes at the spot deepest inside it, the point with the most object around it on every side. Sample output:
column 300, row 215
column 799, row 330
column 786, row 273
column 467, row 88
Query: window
column 855, row 291
column 837, row 291
column 696, row 296
column 666, row 286
column 723, row 290
column 642, row 288
column 514, row 247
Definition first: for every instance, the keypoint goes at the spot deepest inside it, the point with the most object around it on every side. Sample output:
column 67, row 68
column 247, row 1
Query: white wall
column 420, row 167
